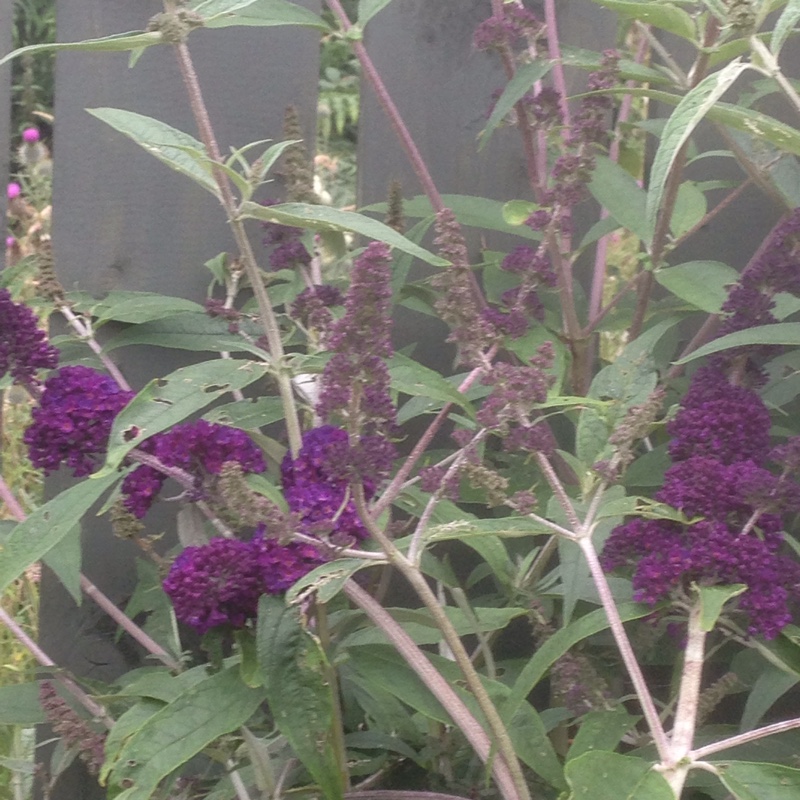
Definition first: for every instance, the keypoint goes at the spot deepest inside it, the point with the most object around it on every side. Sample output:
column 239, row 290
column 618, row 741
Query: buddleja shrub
column 633, row 614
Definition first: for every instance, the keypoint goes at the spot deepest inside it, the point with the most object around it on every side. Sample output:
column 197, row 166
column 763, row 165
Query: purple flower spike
column 24, row 348
column 219, row 584
column 72, row 423
column 200, row 448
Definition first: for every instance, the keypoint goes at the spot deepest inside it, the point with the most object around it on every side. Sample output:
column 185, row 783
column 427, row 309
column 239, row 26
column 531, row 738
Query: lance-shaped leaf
column 176, row 149
column 687, row 116
column 712, row 599
column 257, row 13
column 619, row 193
column 135, row 40
column 164, row 402
column 299, row 691
column 48, row 525
column 785, row 26
column 180, row 730
column 704, row 284
column 779, row 333
column 522, row 82
column 323, row 218
column 608, row 776
column 367, row 9
column 662, row 15
column 753, row 781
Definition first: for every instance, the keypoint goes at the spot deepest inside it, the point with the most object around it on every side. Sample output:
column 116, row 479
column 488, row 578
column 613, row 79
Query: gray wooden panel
column 443, row 88
column 6, row 24
column 124, row 220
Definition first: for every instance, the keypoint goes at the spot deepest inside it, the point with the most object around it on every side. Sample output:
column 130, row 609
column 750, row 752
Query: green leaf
column 327, row 580
column 704, row 284
column 601, row 730
column 690, row 208
column 19, row 705
column 164, row 402
column 524, row 79
column 367, row 9
column 324, row 218
column 515, row 212
column 181, row 729
column 135, row 307
column 620, row 194
column 65, row 561
column 778, row 333
column 785, row 26
column 187, row 331
column 382, row 667
column 772, row 683
column 558, row 644
column 133, row 40
column 662, row 15
column 751, row 781
column 48, row 525
column 608, row 776
column 176, row 149
column 410, row 377
column 712, row 599
column 692, row 108
column 259, row 13
column 248, row 414
column 474, row 212
column 299, row 692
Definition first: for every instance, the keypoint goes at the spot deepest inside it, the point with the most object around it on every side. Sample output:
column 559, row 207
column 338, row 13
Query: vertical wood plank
column 123, row 220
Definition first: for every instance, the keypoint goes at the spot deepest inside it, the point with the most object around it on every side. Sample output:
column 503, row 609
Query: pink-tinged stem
column 554, row 47
column 744, row 738
column 601, row 253
column 94, row 708
column 660, row 740
column 95, row 594
column 439, row 687
column 390, row 109
column 85, row 333
column 389, row 495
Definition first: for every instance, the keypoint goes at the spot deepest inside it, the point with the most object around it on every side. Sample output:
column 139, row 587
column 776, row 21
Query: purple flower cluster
column 288, row 252
column 24, row 348
column 311, row 306
column 316, row 483
column 199, row 448
column 355, row 382
column 73, row 420
column 220, row 583
column 719, row 449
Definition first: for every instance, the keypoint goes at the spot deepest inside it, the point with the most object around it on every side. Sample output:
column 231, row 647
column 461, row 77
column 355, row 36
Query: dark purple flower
column 288, row 251
column 719, row 420
column 316, row 483
column 511, row 323
column 282, row 565
column 73, row 420
column 216, row 584
column 200, row 448
column 312, row 304
column 24, row 348
column 513, row 24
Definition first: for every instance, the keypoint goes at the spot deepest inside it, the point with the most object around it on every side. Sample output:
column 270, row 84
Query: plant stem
column 773, row 70
column 95, row 594
column 626, row 651
column 688, row 698
column 94, row 708
column 85, row 333
column 439, row 687
column 412, row 574
column 268, row 319
column 390, row 109
column 744, row 738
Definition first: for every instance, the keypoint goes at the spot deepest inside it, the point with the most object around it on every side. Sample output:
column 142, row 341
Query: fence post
column 123, row 220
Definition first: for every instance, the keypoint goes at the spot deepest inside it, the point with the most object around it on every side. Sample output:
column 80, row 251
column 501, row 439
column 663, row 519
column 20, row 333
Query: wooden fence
column 122, row 220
